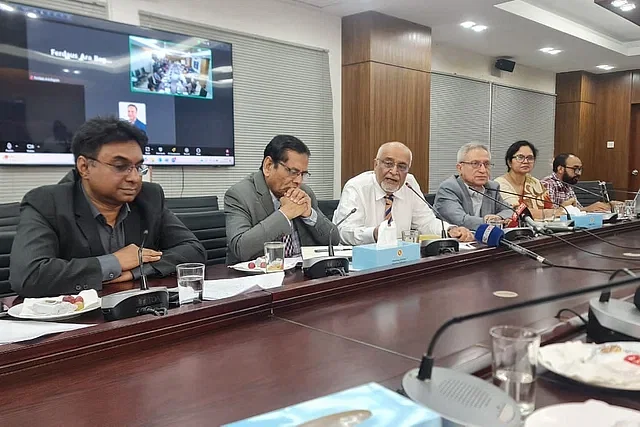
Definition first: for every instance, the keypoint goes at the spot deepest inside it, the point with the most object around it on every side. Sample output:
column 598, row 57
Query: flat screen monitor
column 57, row 70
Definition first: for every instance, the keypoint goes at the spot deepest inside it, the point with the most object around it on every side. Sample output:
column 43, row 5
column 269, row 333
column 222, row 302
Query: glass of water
column 497, row 223
column 514, row 361
column 410, row 236
column 274, row 253
column 630, row 209
column 190, row 281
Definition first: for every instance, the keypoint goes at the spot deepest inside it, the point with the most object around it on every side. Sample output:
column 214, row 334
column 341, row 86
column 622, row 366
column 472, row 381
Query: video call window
column 166, row 68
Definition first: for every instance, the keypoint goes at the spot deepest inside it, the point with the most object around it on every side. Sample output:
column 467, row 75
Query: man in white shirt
column 381, row 192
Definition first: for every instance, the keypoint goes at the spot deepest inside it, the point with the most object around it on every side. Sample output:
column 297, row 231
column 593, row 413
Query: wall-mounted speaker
column 505, row 65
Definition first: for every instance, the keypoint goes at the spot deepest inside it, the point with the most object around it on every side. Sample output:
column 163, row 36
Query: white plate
column 585, row 414
column 289, row 263
column 16, row 311
column 633, row 346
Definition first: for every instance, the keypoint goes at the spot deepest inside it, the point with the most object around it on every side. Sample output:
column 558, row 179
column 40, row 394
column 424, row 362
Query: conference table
column 220, row 361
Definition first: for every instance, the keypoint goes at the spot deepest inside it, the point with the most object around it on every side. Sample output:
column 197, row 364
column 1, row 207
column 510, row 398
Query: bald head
column 391, row 166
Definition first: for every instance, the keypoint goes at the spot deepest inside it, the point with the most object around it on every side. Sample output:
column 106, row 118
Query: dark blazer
column 251, row 220
column 57, row 241
column 454, row 203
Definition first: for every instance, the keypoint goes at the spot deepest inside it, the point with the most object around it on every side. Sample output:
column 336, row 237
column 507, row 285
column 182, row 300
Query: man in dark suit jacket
column 86, row 230
column 273, row 205
column 456, row 199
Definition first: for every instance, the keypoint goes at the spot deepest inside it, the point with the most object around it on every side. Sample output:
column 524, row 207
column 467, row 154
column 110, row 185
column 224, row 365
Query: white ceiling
column 587, row 34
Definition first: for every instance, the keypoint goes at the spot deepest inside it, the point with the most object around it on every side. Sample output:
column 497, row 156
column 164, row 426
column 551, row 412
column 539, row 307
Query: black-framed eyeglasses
column 575, row 169
column 125, row 168
column 476, row 164
column 294, row 172
column 521, row 158
column 390, row 164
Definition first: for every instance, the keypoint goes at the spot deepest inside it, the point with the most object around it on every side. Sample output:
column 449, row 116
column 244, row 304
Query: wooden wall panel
column 634, row 148
column 635, row 88
column 568, row 87
column 400, row 105
column 358, row 151
column 356, row 38
column 613, row 118
column 567, row 132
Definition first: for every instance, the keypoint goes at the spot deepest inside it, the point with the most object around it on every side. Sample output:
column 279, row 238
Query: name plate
column 370, row 256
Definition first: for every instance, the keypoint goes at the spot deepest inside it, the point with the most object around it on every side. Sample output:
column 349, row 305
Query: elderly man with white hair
column 461, row 198
column 381, row 194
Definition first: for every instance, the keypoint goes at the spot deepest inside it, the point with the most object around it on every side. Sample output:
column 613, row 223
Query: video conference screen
column 57, row 70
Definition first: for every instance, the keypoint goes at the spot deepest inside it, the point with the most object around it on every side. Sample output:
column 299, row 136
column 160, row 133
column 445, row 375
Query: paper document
column 309, row 252
column 21, row 330
column 225, row 288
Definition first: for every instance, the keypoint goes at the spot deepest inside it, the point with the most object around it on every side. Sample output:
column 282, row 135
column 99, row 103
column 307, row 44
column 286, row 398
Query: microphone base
column 134, row 302
column 462, row 399
column 438, row 247
column 315, row 268
column 613, row 320
column 518, row 233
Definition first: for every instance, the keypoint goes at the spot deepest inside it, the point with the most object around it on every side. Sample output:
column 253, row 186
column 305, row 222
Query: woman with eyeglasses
column 520, row 160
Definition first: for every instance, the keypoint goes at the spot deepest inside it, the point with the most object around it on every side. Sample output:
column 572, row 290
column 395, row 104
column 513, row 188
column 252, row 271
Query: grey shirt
column 112, row 239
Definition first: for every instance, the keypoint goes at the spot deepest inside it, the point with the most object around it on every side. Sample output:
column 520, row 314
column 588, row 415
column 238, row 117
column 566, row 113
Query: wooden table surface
column 221, row 361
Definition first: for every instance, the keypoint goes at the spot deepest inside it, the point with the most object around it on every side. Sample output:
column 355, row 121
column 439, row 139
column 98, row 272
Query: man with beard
column 567, row 169
column 87, row 230
column 381, row 194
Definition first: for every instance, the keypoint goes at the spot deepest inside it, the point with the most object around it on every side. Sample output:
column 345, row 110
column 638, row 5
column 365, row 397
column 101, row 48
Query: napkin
column 614, row 365
column 50, row 306
column 387, row 235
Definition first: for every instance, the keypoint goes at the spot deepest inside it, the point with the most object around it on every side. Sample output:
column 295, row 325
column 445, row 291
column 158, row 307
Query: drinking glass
column 630, row 209
column 514, row 361
column 410, row 236
column 497, row 223
column 274, row 253
column 190, row 281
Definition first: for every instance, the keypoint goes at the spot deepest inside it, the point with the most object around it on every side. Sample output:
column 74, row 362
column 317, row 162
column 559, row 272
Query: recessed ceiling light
column 618, row 3
column 606, row 67
column 547, row 49
column 6, row 7
column 479, row 28
column 32, row 15
column 468, row 24
column 554, row 52
column 65, row 70
column 76, row 72
column 627, row 7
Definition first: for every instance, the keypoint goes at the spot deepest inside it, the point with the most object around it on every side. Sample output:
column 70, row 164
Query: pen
column 338, row 248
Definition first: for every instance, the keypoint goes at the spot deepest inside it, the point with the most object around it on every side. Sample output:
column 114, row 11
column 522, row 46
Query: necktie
column 388, row 203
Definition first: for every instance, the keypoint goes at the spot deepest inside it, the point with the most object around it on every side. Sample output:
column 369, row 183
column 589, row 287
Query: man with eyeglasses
column 567, row 169
column 381, row 194
column 460, row 198
column 86, row 230
column 273, row 204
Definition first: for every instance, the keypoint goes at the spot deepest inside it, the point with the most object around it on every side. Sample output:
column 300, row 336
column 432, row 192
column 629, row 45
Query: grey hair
column 464, row 150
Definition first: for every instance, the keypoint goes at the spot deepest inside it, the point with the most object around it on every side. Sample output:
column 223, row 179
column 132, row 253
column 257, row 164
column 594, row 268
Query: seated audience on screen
column 380, row 194
column 520, row 160
column 456, row 199
column 273, row 204
column 85, row 231
column 567, row 169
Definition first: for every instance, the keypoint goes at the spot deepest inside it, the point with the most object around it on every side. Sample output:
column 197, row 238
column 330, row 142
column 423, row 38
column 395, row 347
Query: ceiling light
column 479, row 28
column 618, row 3
column 467, row 24
column 76, row 72
column 32, row 15
column 606, row 67
column 65, row 70
column 6, row 7
column 627, row 7
column 547, row 49
column 554, row 52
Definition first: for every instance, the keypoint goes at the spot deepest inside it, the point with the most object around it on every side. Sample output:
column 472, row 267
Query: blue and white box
column 590, row 220
column 371, row 404
column 370, row 256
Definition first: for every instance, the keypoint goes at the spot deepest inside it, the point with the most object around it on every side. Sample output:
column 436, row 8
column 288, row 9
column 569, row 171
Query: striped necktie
column 388, row 204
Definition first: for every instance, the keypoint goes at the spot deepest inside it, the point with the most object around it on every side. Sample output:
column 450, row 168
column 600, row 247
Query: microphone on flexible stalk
column 551, row 227
column 521, row 214
column 330, row 265
column 436, row 246
column 143, row 277
column 447, row 391
column 494, row 237
column 330, row 249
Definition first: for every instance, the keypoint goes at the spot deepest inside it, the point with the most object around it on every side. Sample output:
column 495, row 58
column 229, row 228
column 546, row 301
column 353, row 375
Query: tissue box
column 590, row 220
column 371, row 404
column 370, row 256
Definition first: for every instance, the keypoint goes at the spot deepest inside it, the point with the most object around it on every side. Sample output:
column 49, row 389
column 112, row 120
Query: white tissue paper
column 387, row 235
column 573, row 211
column 614, row 365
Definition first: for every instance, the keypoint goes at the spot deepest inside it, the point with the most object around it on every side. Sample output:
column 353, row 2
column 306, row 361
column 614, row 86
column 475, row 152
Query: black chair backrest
column 209, row 228
column 192, row 204
column 9, row 210
column 328, row 207
column 6, row 240
column 431, row 198
column 585, row 198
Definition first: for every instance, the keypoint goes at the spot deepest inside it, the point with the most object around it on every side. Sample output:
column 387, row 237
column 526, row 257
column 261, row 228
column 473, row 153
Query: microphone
column 522, row 212
column 330, row 249
column 604, row 194
column 431, row 386
column 143, row 277
column 437, row 246
column 540, row 200
column 494, row 237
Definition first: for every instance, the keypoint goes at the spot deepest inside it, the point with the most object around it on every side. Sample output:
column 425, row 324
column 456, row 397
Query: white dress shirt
column 477, row 199
column 364, row 193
